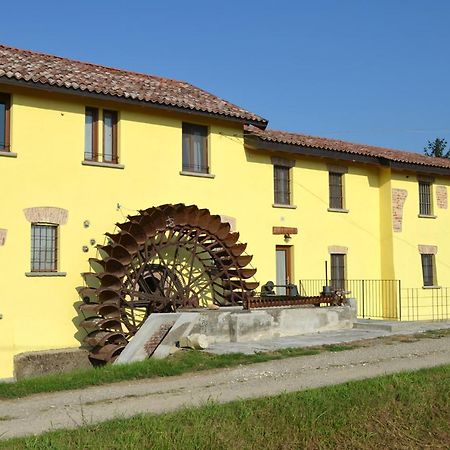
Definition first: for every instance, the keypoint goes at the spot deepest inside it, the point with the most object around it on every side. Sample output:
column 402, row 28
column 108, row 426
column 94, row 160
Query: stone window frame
column 50, row 216
column 338, row 252
column 427, row 259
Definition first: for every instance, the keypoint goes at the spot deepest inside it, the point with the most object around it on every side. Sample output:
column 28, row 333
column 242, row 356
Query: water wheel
column 163, row 259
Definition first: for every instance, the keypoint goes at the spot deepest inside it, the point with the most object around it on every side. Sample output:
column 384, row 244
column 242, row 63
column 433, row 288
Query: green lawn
column 177, row 364
column 404, row 411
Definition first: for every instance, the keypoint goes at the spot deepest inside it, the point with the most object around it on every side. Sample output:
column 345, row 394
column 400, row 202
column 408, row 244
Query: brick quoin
column 441, row 197
column 398, row 201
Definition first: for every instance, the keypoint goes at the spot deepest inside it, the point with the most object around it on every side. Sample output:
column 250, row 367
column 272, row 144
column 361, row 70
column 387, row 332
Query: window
column 338, row 271
column 336, row 200
column 282, row 192
column 428, row 270
column 110, row 154
column 91, row 134
column 195, row 148
column 44, row 247
column 425, row 203
column 5, row 105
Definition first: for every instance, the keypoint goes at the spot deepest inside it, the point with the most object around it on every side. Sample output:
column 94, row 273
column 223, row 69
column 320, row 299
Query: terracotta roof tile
column 284, row 137
column 51, row 70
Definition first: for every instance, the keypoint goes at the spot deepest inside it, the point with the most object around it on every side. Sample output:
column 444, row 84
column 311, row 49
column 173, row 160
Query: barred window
column 44, row 247
column 195, row 148
column 282, row 191
column 338, row 270
column 336, row 200
column 428, row 270
column 4, row 121
column 425, row 205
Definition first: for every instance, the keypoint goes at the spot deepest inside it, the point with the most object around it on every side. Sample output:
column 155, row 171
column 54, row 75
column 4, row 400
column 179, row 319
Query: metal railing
column 388, row 299
column 425, row 303
column 376, row 299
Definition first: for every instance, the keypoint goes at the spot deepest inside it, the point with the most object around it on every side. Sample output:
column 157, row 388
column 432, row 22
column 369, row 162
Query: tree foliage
column 437, row 148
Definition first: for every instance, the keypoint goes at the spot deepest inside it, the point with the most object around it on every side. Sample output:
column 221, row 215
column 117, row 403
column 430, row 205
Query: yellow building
column 82, row 147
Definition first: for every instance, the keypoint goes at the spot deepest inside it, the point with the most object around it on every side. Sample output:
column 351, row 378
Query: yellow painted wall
column 421, row 231
column 48, row 137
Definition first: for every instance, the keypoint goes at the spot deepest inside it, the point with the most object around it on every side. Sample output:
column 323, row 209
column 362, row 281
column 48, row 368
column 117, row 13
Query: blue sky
column 376, row 72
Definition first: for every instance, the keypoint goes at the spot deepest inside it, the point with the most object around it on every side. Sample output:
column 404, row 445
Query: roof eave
column 262, row 124
column 257, row 143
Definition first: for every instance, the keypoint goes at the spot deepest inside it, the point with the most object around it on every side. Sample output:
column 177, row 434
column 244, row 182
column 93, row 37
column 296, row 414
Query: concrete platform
column 372, row 329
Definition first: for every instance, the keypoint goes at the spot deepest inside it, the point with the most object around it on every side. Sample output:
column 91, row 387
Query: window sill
column 6, row 153
column 197, row 174
column 280, row 205
column 103, row 164
column 431, row 287
column 45, row 274
column 426, row 216
column 338, row 210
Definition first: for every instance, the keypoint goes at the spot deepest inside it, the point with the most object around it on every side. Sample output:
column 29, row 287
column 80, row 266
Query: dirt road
column 42, row 412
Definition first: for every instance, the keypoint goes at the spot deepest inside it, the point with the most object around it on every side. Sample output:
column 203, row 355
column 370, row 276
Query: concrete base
column 33, row 364
column 224, row 325
column 237, row 325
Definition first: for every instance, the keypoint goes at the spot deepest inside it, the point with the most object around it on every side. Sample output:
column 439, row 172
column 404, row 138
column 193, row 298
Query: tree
column 437, row 148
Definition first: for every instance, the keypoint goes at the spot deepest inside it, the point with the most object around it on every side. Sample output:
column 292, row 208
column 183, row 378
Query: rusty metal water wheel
column 163, row 259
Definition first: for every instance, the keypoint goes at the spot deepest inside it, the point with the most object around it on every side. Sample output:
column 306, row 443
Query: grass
column 404, row 411
column 177, row 364
column 181, row 362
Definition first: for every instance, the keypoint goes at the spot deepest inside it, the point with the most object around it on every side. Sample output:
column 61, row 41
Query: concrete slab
column 181, row 328
column 325, row 338
column 149, row 335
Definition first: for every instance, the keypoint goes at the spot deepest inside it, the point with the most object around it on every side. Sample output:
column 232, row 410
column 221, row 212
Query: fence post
column 363, row 299
column 400, row 300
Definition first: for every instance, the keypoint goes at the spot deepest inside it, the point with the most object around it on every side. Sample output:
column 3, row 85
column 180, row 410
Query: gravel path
column 42, row 412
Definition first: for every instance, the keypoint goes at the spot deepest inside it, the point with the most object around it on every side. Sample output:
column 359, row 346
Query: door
column 283, row 265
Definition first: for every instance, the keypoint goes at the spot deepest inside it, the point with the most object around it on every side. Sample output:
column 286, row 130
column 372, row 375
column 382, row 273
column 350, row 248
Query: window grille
column 335, row 190
column 195, row 148
column 338, row 271
column 425, row 206
column 428, row 270
column 282, row 192
column 44, row 248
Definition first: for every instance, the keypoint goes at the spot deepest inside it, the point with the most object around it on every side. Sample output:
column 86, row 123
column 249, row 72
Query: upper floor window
column 44, row 247
column 5, row 105
column 195, row 148
column 336, row 190
column 428, row 270
column 91, row 146
column 425, row 198
column 91, row 134
column 282, row 183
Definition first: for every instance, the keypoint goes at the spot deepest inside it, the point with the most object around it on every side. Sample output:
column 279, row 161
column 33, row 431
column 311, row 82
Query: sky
column 373, row 72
